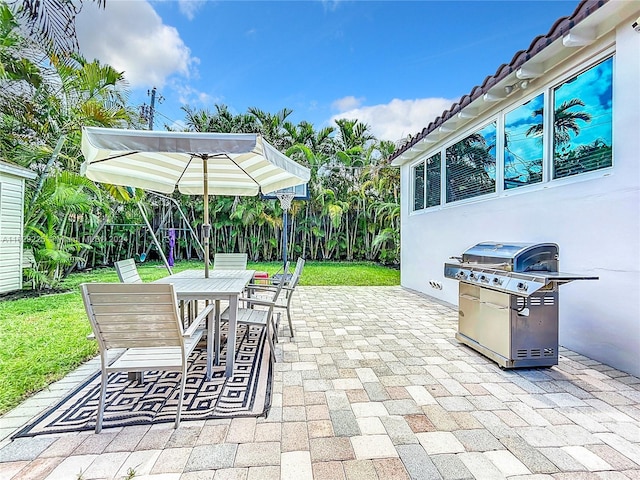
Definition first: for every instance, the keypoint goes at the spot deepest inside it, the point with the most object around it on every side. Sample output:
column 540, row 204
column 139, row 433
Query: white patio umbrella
column 196, row 163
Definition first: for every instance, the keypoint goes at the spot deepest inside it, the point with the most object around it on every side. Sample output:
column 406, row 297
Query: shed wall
column 11, row 218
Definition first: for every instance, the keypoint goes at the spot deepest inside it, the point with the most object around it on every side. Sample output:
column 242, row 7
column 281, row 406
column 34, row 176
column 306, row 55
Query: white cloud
column 131, row 37
column 330, row 5
column 189, row 7
column 188, row 95
column 347, row 103
column 398, row 118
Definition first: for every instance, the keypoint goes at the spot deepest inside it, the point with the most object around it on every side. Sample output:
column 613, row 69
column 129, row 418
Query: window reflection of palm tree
column 468, row 164
column 564, row 121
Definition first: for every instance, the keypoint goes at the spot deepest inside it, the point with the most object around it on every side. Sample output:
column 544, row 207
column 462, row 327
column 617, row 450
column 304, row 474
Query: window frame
column 503, row 114
column 412, row 180
column 550, row 92
column 426, row 183
column 471, row 131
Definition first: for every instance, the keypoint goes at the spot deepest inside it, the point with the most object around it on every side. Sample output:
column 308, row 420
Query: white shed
column 12, row 188
column 545, row 150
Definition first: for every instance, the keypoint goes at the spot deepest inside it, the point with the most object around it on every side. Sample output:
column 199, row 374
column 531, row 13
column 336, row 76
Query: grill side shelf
column 562, row 277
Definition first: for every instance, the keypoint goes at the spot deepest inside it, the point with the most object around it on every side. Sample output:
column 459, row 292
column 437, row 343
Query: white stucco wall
column 595, row 219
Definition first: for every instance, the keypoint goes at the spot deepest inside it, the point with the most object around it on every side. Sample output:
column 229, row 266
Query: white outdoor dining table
column 221, row 285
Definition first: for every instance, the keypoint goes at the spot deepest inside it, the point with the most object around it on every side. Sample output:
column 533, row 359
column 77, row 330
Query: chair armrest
column 198, row 320
column 266, row 282
column 254, row 301
column 255, row 286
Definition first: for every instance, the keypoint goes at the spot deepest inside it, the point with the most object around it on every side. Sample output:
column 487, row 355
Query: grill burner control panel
column 502, row 281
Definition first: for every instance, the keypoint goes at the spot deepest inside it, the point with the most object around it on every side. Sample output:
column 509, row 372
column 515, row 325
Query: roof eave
column 17, row 170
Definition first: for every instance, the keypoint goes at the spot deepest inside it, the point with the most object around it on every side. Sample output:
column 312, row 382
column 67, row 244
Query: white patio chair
column 230, row 261
column 142, row 319
column 127, row 271
column 261, row 316
column 289, row 283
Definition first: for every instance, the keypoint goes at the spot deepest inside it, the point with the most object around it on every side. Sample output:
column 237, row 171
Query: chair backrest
column 230, row 261
column 133, row 315
column 127, row 271
column 293, row 281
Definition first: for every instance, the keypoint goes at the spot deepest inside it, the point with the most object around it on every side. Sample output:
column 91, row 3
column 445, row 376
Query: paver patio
column 374, row 385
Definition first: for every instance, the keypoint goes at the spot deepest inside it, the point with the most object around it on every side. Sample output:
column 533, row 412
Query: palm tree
column 352, row 134
column 564, row 121
column 52, row 22
column 271, row 126
column 14, row 66
column 222, row 121
column 305, row 134
column 198, row 120
column 65, row 197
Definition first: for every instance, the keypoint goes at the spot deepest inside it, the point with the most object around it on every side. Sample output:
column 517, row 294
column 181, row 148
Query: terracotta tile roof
column 559, row 29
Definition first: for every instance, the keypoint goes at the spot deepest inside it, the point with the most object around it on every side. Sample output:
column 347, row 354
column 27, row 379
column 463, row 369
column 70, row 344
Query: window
column 418, row 186
column 523, row 148
column 565, row 130
column 471, row 165
column 433, row 181
column 582, row 122
column 426, row 183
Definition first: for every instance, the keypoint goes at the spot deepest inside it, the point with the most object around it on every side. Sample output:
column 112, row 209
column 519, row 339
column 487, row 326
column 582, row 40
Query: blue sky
column 394, row 65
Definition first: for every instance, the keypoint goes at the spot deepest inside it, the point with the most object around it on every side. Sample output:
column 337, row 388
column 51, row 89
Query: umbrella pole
column 206, row 228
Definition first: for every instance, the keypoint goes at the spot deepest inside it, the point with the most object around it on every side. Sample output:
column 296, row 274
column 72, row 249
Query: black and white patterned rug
column 129, row 402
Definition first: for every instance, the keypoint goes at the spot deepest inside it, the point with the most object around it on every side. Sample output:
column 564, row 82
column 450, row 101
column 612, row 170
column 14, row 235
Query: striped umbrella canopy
column 195, row 163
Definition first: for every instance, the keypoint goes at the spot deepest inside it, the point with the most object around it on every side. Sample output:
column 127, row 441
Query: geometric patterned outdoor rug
column 128, row 402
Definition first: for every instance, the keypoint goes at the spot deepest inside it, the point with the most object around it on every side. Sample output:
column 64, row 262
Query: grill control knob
column 460, row 275
column 483, row 278
column 472, row 275
column 522, row 286
column 497, row 281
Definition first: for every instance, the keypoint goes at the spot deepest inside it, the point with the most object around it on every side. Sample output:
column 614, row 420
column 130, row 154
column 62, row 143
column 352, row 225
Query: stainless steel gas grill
column 508, row 301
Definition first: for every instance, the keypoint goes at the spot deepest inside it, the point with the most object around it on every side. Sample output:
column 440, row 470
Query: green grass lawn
column 44, row 338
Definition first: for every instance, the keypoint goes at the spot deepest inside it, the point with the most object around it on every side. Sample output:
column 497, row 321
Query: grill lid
column 513, row 256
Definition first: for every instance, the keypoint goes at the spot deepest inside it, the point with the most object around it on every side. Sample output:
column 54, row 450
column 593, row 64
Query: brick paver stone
column 328, row 471
column 36, row 470
column 258, row 454
column 211, row 457
column 332, row 448
column 296, row 466
column 141, row 462
column 359, row 469
column 439, row 442
column 373, row 446
column 270, row 472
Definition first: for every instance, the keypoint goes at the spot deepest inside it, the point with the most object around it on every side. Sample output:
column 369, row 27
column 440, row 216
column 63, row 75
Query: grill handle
column 459, row 259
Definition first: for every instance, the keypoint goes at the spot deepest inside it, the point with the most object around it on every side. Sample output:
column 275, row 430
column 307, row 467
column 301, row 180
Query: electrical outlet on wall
column 435, row 284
